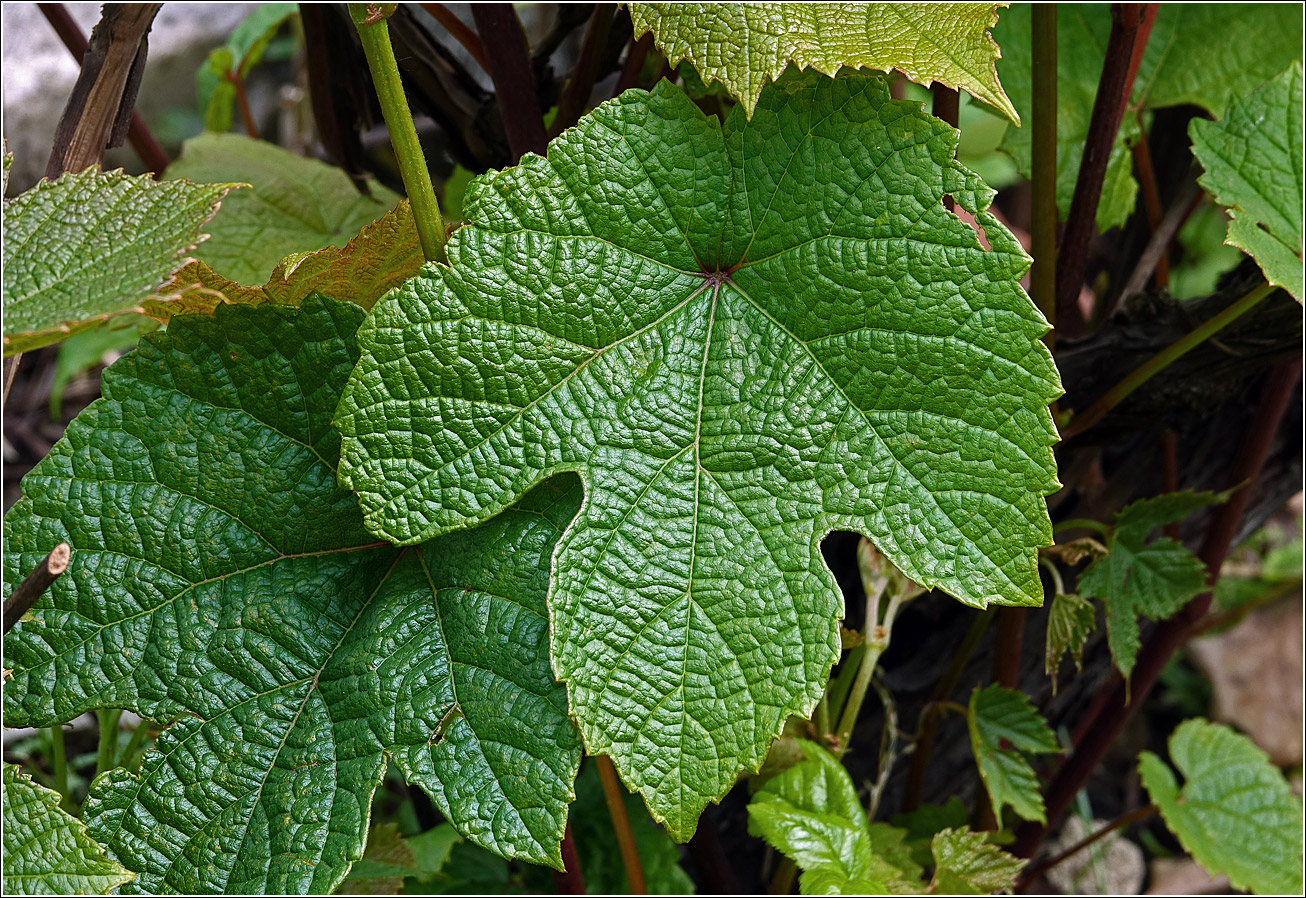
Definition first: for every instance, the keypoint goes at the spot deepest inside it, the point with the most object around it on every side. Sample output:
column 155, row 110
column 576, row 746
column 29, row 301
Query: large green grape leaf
column 746, row 45
column 1217, row 34
column 221, row 580
column 46, row 850
column 92, row 245
column 1253, row 160
column 1235, row 813
column 743, row 337
column 1136, row 577
column 294, row 205
column 1004, row 727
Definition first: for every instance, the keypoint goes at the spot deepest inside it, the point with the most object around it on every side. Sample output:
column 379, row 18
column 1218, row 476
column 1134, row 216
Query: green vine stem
column 59, row 761
column 612, row 794
column 1176, row 350
column 108, row 756
column 370, row 18
column 133, row 749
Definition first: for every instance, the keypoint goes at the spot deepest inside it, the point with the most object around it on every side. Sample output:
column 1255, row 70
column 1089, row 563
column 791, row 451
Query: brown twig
column 569, row 881
column 458, row 31
column 242, row 104
column 1115, row 711
column 10, row 371
column 149, row 150
column 509, row 66
column 576, row 92
column 1162, row 235
column 634, row 64
column 1120, row 822
column 1113, row 91
column 1146, row 175
column 35, row 584
column 612, row 794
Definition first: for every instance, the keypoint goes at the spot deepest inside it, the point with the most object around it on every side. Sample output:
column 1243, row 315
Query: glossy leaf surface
column 223, row 582
column 742, row 338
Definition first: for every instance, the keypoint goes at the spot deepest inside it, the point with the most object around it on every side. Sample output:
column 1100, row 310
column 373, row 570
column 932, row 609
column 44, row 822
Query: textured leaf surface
column 745, row 46
column 92, row 245
column 221, row 578
column 1003, row 727
column 379, row 258
column 46, row 850
column 1155, row 579
column 810, row 812
column 295, row 205
column 742, row 338
column 1253, row 160
column 1235, row 813
column 1071, row 620
column 1167, row 76
column 966, row 863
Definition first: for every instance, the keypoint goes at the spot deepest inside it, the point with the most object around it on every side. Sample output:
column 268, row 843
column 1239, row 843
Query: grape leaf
column 46, row 850
column 770, row 330
column 92, row 245
column 214, row 88
column 379, row 258
column 222, row 579
column 1136, row 577
column 810, row 812
column 1253, row 160
column 1235, row 813
column 296, row 205
column 1003, row 727
column 1216, row 34
column 1071, row 620
column 743, row 45
column 966, row 863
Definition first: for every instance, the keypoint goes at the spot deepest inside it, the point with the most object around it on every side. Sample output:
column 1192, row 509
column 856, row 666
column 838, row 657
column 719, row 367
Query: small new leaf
column 1004, row 727
column 743, row 46
column 93, row 245
column 46, row 850
column 1071, row 620
column 1235, row 813
column 1253, row 160
column 221, row 578
column 1136, row 577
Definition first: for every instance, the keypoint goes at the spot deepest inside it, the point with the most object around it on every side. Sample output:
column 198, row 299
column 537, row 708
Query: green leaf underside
column 89, row 246
column 46, row 850
column 1253, row 160
column 1166, row 76
column 1235, row 813
column 742, row 338
column 745, row 46
column 1003, row 726
column 1155, row 579
column 293, row 204
column 1071, row 620
column 222, row 579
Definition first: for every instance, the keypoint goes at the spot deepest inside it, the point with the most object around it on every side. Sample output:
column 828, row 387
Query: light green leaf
column 222, row 579
column 91, row 246
column 383, row 866
column 296, row 205
column 242, row 51
column 1071, row 620
column 1155, row 579
column 966, row 863
column 810, row 812
column 46, row 850
column 1003, row 727
column 773, row 329
column 1253, row 160
column 1219, row 35
column 1235, row 813
column 379, row 258
column 744, row 46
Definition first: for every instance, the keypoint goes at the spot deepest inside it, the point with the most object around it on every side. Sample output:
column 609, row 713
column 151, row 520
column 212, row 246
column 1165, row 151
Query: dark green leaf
column 1235, row 813
column 773, row 329
column 222, row 579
